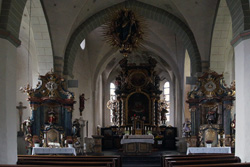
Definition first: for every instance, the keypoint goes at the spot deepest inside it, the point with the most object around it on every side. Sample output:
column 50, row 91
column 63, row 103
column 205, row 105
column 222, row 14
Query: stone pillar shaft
column 8, row 119
column 242, row 75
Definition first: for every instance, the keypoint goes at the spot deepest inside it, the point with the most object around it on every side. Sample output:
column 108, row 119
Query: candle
column 44, row 135
column 223, row 136
column 84, row 146
column 218, row 136
column 61, row 136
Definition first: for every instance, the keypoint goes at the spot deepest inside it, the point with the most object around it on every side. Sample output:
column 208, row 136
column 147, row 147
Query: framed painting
column 138, row 107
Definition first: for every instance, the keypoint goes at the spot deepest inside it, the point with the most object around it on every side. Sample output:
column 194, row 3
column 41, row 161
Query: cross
column 20, row 111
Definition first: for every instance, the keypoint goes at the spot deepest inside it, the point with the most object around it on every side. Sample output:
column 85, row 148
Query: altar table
column 137, row 144
column 193, row 150
column 47, row 150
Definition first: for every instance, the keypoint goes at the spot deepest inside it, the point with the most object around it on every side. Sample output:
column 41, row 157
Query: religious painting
column 52, row 115
column 210, row 113
column 138, row 107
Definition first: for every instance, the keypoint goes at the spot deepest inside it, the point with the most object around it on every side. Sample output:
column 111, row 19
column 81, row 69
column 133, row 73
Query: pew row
column 207, row 161
column 113, row 161
column 216, row 165
column 166, row 158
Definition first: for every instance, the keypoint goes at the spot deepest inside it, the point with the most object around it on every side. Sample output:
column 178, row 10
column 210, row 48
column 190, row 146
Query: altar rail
column 112, row 161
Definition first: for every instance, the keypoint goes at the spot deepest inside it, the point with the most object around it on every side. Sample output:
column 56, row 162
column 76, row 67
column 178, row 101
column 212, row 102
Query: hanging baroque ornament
column 124, row 31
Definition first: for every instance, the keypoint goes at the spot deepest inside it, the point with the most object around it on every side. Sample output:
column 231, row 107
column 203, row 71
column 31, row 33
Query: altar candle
column 223, row 136
column 61, row 136
column 44, row 136
column 84, row 146
column 43, row 140
column 218, row 136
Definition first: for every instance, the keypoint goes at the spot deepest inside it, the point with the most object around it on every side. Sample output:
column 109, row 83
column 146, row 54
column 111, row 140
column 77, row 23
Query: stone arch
column 148, row 11
column 240, row 19
column 221, row 37
column 10, row 20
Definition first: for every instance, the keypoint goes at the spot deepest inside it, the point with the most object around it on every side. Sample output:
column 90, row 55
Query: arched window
column 166, row 95
column 112, row 97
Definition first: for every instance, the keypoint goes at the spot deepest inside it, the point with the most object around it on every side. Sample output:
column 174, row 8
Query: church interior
column 115, row 80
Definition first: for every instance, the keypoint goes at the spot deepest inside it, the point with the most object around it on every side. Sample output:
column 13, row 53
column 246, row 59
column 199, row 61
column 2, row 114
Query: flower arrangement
column 209, row 141
column 70, row 142
column 37, row 141
column 159, row 137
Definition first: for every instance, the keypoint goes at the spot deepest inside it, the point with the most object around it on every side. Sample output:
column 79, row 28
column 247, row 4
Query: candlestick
column 84, row 148
column 218, row 142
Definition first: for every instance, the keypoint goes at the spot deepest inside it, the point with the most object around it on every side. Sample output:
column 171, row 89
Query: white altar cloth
column 193, row 150
column 47, row 150
column 137, row 139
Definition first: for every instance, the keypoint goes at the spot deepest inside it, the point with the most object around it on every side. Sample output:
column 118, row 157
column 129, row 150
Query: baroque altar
column 52, row 106
column 138, row 93
column 210, row 104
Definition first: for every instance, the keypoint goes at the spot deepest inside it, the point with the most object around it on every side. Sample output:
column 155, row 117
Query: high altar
column 137, row 90
column 52, row 106
column 210, row 104
column 137, row 109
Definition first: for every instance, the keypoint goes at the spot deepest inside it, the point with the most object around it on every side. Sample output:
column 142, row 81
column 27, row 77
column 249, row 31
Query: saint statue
column 52, row 117
column 82, row 100
column 211, row 115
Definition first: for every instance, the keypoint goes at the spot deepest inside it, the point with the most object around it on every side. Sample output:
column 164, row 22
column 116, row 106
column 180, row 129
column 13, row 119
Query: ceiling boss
column 124, row 31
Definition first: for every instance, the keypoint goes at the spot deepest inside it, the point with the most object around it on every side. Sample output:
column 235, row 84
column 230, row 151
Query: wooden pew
column 25, row 159
column 192, row 156
column 216, row 165
column 166, row 160
column 3, row 165
column 207, row 161
column 70, row 163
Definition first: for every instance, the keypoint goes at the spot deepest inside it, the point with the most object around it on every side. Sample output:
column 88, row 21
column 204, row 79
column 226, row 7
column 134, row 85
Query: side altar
column 51, row 118
column 210, row 105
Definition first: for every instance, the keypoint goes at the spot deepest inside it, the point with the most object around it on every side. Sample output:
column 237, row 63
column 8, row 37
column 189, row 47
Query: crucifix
column 20, row 111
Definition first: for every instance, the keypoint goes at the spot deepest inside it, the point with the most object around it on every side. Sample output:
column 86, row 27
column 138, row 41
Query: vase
column 209, row 145
column 70, row 145
column 159, row 141
column 37, row 144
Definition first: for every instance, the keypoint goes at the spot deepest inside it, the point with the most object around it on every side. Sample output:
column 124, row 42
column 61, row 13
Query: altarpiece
column 52, row 106
column 138, row 93
column 210, row 104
